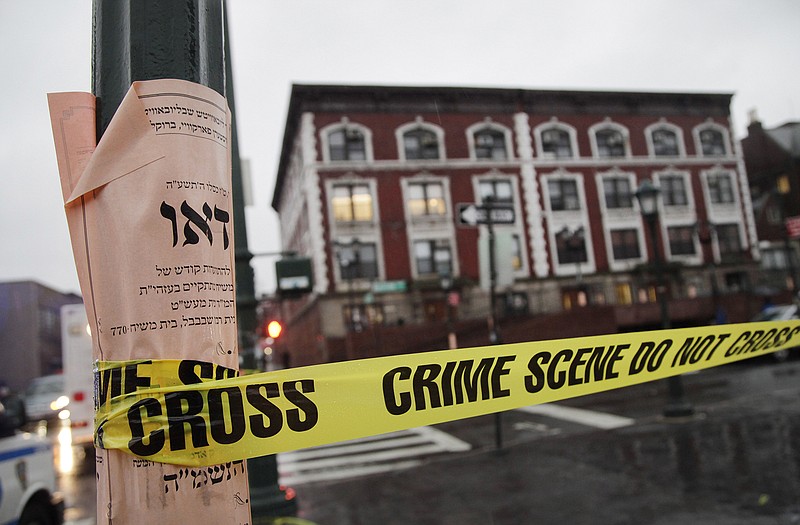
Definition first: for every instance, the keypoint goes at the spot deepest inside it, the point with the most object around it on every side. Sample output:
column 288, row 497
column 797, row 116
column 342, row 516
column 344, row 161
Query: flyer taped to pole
column 192, row 413
column 149, row 210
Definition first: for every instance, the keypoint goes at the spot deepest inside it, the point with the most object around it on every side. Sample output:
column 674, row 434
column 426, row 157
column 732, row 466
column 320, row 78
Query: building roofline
column 315, row 97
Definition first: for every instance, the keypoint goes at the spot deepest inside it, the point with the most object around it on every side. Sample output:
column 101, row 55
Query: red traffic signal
column 274, row 329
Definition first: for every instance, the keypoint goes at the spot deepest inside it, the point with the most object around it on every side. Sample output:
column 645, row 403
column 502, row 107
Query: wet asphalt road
column 737, row 461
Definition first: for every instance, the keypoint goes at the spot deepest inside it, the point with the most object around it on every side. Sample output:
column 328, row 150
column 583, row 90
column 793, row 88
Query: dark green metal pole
column 677, row 404
column 184, row 39
column 152, row 39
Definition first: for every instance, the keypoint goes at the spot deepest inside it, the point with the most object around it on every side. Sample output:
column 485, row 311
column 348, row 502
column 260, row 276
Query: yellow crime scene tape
column 196, row 413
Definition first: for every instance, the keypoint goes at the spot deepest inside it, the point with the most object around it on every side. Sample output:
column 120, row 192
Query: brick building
column 772, row 158
column 371, row 181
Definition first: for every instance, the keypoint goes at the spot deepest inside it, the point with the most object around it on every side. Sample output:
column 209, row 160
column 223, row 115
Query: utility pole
column 494, row 333
column 186, row 40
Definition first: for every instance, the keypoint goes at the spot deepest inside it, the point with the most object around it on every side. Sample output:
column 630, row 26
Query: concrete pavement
column 736, row 462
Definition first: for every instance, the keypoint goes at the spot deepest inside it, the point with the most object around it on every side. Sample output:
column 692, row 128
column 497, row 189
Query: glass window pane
column 610, row 143
column 673, row 190
column 665, row 143
column 556, row 143
column 617, row 192
column 712, row 142
column 625, row 244
column 681, row 240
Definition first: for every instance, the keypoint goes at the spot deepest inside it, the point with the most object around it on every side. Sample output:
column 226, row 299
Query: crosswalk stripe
column 394, row 451
column 351, row 448
column 295, row 479
column 579, row 415
column 370, row 457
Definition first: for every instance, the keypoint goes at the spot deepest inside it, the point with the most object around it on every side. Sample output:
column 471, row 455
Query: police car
column 27, row 477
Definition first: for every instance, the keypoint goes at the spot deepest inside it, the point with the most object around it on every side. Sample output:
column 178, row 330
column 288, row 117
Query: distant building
column 772, row 157
column 374, row 185
column 30, row 331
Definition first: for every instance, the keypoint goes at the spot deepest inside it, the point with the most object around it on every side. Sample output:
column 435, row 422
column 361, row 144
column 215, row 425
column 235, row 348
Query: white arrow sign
column 473, row 214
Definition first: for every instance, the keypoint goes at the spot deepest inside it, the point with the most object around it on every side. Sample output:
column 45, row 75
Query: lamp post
column 648, row 195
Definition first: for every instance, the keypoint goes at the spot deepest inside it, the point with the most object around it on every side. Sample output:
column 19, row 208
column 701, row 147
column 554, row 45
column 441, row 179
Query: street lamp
column 648, row 195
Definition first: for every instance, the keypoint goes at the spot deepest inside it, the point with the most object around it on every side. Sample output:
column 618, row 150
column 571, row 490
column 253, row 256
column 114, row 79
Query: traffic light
column 274, row 329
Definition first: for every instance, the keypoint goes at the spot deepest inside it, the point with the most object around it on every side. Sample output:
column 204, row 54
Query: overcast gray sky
column 749, row 48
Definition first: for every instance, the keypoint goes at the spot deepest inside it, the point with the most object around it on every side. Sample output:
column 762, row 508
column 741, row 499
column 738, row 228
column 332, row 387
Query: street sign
column 388, row 286
column 470, row 214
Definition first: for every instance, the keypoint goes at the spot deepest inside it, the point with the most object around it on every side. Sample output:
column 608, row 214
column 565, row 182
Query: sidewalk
column 736, row 462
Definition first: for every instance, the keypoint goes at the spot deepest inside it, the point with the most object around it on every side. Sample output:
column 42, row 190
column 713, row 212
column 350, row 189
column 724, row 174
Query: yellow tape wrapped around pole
column 196, row 413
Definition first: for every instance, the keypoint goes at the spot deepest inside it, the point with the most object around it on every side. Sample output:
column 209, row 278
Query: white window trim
column 554, row 123
column 691, row 260
column 345, row 123
column 416, row 236
column 624, row 265
column 489, row 124
column 428, row 223
column 354, row 226
column 609, row 124
column 572, row 219
column 663, row 124
column 709, row 124
column 419, row 123
column 518, row 227
column 725, row 212
column 675, row 211
column 617, row 174
column 356, row 284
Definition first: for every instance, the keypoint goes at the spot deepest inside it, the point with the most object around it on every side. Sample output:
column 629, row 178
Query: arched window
column 664, row 140
column 609, row 140
column 346, row 144
column 489, row 141
column 346, row 141
column 555, row 140
column 420, row 141
column 711, row 140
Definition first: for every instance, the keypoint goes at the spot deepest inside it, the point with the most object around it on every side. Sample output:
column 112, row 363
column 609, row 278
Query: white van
column 76, row 353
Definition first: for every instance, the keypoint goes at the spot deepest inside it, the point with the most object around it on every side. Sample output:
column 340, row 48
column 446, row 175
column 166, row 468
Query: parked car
column 27, row 476
column 781, row 312
column 45, row 398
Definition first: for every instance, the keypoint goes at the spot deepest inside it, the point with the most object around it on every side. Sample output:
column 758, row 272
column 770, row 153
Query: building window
column 563, row 194
column 610, row 143
column 712, row 142
column 617, row 192
column 490, row 144
column 359, row 316
column 346, row 144
column 500, row 189
column 426, row 199
column 625, row 244
column 665, row 143
column 673, row 190
column 352, row 203
column 420, row 143
column 556, row 143
column 720, row 188
column 681, row 240
column 357, row 260
column 571, row 246
column 728, row 239
column 433, row 257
